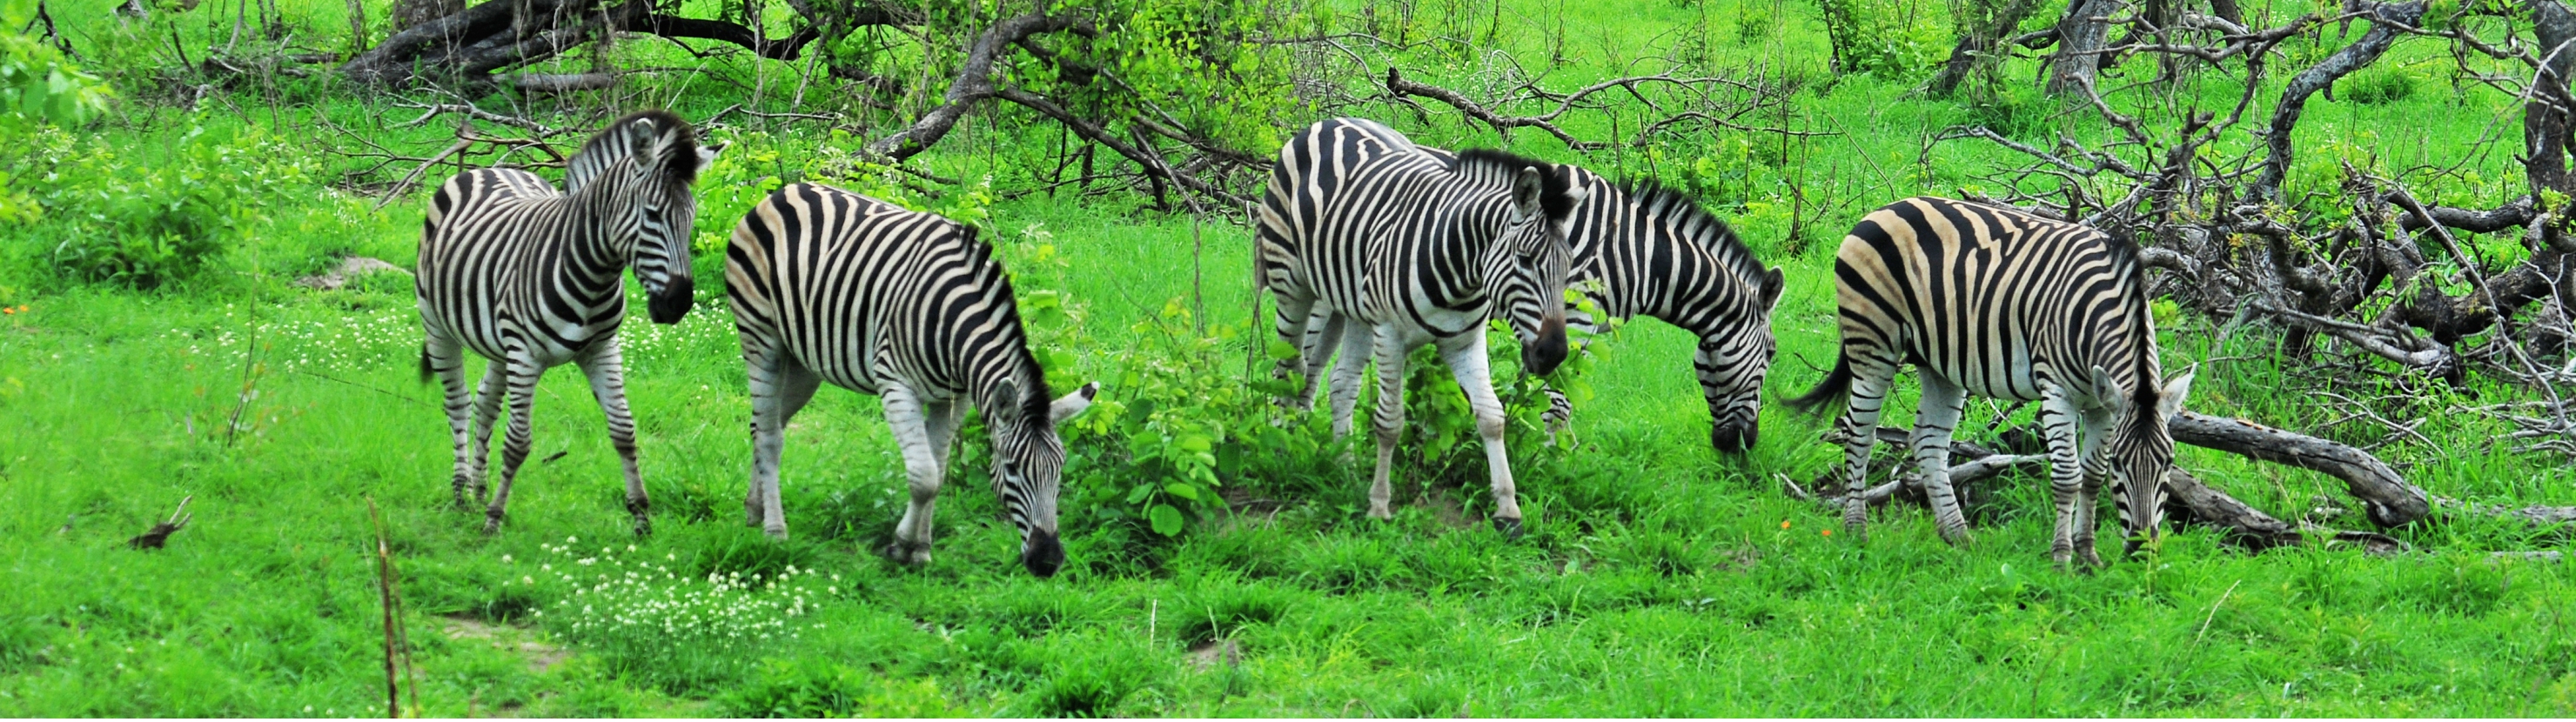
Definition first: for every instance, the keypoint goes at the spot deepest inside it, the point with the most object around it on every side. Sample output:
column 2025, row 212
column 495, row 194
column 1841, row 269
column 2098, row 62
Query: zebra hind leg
column 606, row 368
column 1559, row 416
column 444, row 358
column 1858, row 431
column 1934, row 419
column 487, row 412
column 779, row 388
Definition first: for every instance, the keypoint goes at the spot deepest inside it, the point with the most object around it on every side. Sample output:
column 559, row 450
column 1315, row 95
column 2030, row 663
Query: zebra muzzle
column 1043, row 554
column 672, row 303
column 1541, row 355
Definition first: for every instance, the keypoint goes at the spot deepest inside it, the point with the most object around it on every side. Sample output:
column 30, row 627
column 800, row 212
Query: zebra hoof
column 1509, row 526
column 906, row 553
column 491, row 523
column 1961, row 539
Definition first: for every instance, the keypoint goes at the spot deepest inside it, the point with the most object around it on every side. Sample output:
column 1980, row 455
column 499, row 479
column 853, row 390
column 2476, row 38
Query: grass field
column 1658, row 578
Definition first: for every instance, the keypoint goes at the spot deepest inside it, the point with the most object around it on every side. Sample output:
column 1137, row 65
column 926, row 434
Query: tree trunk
column 2545, row 119
column 1977, row 44
column 2081, row 35
column 408, row 14
column 2227, row 10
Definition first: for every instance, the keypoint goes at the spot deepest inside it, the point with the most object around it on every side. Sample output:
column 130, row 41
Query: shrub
column 2378, row 86
column 134, row 220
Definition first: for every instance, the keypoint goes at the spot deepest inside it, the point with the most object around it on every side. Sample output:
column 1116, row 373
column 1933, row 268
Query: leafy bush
column 1874, row 37
column 129, row 218
column 37, row 85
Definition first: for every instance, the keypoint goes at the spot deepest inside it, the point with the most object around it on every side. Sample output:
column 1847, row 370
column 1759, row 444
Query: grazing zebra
column 1645, row 250
column 1415, row 249
column 2003, row 304
column 529, row 278
column 829, row 285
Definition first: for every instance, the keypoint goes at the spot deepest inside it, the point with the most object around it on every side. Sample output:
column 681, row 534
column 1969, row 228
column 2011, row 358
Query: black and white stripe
column 828, row 285
column 1361, row 228
column 2002, row 304
column 529, row 278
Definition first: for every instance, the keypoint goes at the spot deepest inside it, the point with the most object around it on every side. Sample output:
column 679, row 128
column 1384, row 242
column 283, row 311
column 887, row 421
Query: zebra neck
column 601, row 224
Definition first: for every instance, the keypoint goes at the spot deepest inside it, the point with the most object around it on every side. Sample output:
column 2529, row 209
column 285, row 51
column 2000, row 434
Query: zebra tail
column 1830, row 393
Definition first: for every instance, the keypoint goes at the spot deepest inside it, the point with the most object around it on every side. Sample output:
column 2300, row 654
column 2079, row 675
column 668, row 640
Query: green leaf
column 1165, row 519
column 1137, row 495
column 1181, row 490
column 1282, row 350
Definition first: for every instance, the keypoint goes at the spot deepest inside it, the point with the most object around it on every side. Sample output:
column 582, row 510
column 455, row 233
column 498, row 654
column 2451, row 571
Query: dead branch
column 2387, row 497
column 160, row 533
column 972, row 86
column 2196, row 503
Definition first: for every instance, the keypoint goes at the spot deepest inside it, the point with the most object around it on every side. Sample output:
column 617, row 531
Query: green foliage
column 1883, row 38
column 809, row 688
column 37, row 84
column 2378, row 85
column 148, row 217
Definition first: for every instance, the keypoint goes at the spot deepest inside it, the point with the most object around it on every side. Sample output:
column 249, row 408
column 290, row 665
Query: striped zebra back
column 865, row 293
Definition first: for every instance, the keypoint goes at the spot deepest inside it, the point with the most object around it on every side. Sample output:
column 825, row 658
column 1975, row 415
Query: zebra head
column 2139, row 450
column 1531, row 259
column 658, row 156
column 1028, row 466
column 1731, row 366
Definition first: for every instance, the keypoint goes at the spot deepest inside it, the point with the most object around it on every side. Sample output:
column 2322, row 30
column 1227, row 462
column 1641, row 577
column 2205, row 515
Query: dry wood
column 160, row 533
column 2388, row 498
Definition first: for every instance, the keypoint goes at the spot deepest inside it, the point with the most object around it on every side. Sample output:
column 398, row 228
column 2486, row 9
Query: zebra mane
column 1556, row 189
column 1680, row 212
column 2132, row 271
column 617, row 141
column 1035, row 397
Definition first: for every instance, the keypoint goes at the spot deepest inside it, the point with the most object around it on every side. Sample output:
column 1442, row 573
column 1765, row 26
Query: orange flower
column 1829, row 532
column 1784, row 523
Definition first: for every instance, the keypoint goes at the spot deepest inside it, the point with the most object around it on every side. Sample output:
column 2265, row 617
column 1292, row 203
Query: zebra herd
column 1370, row 245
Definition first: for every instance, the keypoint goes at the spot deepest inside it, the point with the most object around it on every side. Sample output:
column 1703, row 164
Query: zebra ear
column 647, row 139
column 1072, row 404
column 1772, row 283
column 707, row 154
column 2170, row 402
column 1526, row 189
column 2105, row 392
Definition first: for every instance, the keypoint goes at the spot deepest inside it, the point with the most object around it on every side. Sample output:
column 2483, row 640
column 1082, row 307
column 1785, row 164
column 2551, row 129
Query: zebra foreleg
column 906, row 414
column 2097, row 467
column 521, row 379
column 1288, row 322
column 1324, row 331
column 1559, row 415
column 2058, row 418
column 1934, row 419
column 1389, row 352
column 1465, row 354
column 1356, row 349
column 1858, row 430
column 605, row 366
column 779, row 388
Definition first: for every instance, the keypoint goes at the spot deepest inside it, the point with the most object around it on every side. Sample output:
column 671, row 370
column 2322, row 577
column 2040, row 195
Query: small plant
column 2379, row 86
column 647, row 615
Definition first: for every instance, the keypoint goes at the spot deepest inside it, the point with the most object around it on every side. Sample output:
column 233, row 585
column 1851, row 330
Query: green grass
column 1659, row 578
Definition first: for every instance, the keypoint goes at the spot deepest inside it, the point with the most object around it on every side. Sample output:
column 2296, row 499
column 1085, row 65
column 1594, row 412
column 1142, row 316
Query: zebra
column 528, row 277
column 829, row 285
column 1415, row 249
column 1641, row 249
column 2003, row 304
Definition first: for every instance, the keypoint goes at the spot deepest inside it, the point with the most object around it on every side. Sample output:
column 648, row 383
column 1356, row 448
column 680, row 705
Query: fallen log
column 2386, row 496
column 2195, row 503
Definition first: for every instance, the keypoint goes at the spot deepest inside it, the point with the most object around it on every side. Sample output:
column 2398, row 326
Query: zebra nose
column 1042, row 554
column 1540, row 356
column 672, row 303
column 1732, row 437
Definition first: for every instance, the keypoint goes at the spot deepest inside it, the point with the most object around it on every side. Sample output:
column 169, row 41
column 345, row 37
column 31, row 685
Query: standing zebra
column 1359, row 225
column 828, row 285
column 1654, row 252
column 2004, row 304
column 529, row 278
